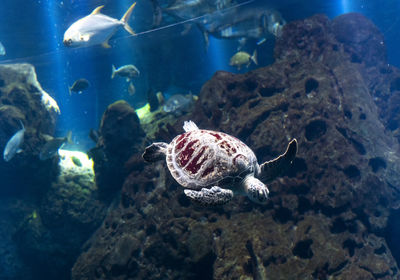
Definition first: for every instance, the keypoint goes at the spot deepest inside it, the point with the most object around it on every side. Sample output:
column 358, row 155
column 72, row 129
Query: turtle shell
column 201, row 158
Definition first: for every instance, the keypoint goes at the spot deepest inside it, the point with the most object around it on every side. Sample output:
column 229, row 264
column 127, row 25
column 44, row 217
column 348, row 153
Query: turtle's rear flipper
column 210, row 197
column 155, row 152
column 277, row 167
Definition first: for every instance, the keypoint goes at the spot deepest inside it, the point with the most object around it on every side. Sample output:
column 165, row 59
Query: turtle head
column 256, row 190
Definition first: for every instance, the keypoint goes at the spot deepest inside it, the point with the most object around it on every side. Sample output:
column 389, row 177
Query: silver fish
column 2, row 49
column 13, row 145
column 179, row 103
column 131, row 89
column 127, row 71
column 187, row 9
column 95, row 29
column 51, row 147
column 253, row 21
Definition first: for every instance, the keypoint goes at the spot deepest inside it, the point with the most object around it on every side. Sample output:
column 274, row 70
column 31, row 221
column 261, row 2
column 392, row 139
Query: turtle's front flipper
column 210, row 197
column 155, row 152
column 269, row 170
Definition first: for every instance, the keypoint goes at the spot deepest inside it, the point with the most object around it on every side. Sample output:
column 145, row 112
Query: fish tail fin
column 22, row 124
column 254, row 57
column 125, row 19
column 69, row 90
column 69, row 137
column 113, row 71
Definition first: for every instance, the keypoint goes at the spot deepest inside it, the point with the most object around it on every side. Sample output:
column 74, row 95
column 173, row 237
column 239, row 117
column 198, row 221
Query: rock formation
column 120, row 137
column 331, row 88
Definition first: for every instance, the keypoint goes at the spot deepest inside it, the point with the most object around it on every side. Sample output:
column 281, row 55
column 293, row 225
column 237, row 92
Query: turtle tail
column 155, row 152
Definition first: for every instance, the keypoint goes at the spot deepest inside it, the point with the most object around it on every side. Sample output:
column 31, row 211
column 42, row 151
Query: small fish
column 51, row 147
column 179, row 104
column 131, row 89
column 153, row 100
column 127, row 71
column 95, row 29
column 2, row 49
column 241, row 58
column 79, row 86
column 76, row 161
column 13, row 145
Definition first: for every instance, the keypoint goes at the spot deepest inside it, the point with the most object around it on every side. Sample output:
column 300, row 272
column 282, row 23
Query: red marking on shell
column 186, row 153
column 180, row 137
column 243, row 158
column 229, row 149
column 194, row 165
column 181, row 142
column 216, row 135
column 207, row 171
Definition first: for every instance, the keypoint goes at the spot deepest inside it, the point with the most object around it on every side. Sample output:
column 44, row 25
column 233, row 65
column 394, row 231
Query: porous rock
column 327, row 218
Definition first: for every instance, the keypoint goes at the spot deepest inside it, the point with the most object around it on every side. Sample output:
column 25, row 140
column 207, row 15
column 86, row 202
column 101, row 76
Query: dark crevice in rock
column 303, row 249
column 327, row 210
column 311, row 85
column 315, row 130
column 392, row 233
column 301, row 189
column 283, row 215
column 377, row 163
column 274, row 260
column 252, row 265
column 304, row 205
column 352, row 172
column 381, row 250
column 269, row 91
column 204, row 268
column 359, row 147
column 351, row 246
column 338, row 268
column 321, row 273
column 250, row 84
column 348, row 114
column 395, row 85
column 339, row 225
column 183, row 200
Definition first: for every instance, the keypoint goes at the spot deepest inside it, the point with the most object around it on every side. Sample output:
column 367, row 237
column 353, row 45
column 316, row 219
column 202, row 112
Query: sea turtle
column 213, row 166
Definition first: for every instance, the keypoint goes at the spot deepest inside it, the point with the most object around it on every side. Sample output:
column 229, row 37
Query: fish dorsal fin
column 106, row 45
column 97, row 10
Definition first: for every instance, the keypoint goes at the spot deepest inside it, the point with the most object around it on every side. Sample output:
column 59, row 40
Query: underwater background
column 78, row 201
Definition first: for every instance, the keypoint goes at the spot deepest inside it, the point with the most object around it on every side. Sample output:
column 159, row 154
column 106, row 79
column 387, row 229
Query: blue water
column 32, row 31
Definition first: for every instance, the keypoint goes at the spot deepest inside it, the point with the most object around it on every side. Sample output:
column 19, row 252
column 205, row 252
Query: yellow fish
column 96, row 28
column 241, row 58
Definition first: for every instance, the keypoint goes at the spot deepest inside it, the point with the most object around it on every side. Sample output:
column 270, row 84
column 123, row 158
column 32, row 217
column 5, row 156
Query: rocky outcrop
column 22, row 99
column 49, row 208
column 120, row 137
column 332, row 215
column 52, row 234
